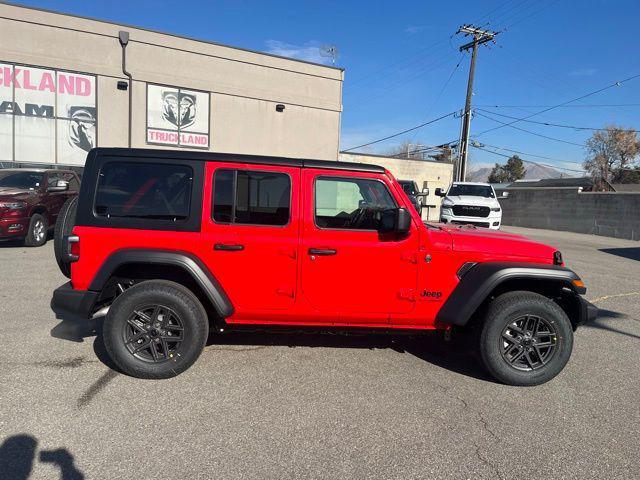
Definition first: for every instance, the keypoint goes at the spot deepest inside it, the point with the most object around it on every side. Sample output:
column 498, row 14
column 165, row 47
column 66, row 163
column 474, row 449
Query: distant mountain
column 534, row 172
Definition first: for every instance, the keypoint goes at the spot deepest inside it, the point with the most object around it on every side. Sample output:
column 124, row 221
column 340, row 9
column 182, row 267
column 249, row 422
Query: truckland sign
column 177, row 117
column 46, row 115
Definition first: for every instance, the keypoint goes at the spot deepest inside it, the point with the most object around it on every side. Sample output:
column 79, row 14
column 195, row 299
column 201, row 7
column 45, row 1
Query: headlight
column 13, row 205
column 447, row 204
column 495, row 209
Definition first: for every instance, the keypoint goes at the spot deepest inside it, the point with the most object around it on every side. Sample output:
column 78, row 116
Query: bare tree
column 611, row 151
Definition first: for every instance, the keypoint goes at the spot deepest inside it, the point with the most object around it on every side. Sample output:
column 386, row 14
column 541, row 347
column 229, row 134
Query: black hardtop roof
column 235, row 157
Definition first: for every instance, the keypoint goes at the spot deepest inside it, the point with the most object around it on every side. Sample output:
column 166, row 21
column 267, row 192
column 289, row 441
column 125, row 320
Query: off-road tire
column 506, row 309
column 64, row 225
column 171, row 296
column 34, row 238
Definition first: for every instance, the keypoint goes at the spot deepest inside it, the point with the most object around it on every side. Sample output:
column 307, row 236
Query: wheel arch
column 40, row 209
column 483, row 282
column 182, row 267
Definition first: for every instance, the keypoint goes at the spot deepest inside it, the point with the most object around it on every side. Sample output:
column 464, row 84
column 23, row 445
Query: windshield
column 471, row 190
column 21, row 180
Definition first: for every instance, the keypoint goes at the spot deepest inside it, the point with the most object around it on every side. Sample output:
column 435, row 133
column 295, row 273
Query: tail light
column 73, row 248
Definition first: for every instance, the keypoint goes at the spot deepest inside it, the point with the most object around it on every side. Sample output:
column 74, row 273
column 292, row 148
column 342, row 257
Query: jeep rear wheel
column 526, row 339
column 155, row 329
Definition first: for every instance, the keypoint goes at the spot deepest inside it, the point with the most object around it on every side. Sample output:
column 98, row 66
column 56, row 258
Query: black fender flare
column 184, row 260
column 481, row 279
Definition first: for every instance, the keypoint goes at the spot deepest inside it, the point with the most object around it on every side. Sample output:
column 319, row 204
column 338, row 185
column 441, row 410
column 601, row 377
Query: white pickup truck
column 468, row 203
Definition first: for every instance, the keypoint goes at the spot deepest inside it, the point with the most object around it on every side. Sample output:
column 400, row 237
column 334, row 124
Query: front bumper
column 78, row 303
column 492, row 221
column 14, row 227
column 587, row 313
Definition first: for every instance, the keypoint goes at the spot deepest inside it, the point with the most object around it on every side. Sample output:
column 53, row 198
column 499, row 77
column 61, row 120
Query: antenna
column 329, row 51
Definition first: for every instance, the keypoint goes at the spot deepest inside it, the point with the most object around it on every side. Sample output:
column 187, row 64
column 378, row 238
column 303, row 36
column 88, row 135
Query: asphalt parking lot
column 320, row 406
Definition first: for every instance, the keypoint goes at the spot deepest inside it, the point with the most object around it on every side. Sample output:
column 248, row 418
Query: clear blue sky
column 398, row 56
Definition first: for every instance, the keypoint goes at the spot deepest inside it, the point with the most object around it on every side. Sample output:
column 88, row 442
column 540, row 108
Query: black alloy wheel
column 153, row 333
column 528, row 343
column 155, row 329
column 525, row 339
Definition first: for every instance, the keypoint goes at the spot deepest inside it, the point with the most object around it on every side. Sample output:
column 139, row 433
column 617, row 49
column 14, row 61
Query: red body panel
column 369, row 282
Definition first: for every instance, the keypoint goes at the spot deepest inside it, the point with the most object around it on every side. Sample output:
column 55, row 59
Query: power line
column 402, row 132
column 444, row 86
column 529, row 15
column 528, row 154
column 408, row 60
column 565, row 106
column 529, row 161
column 616, row 84
column 504, row 124
column 549, row 124
column 384, row 89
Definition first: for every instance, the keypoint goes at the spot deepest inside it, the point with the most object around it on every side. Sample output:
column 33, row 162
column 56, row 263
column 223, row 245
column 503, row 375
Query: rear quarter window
column 144, row 191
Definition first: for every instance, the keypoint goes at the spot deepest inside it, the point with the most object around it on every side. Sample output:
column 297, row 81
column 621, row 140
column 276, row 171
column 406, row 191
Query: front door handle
column 228, row 247
column 322, row 251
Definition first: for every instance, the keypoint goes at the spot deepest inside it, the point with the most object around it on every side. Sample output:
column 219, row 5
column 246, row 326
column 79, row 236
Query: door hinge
column 407, row 294
column 411, row 257
column 286, row 292
column 288, row 252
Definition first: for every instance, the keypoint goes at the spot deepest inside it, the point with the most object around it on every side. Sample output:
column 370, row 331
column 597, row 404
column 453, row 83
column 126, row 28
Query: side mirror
column 60, row 186
column 395, row 220
column 440, row 192
column 504, row 194
column 425, row 191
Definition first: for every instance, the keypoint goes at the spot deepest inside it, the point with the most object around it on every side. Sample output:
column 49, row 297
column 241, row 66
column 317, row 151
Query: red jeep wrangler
column 171, row 244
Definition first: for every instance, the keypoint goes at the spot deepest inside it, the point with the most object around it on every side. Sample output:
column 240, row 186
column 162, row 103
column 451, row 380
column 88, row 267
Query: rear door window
column 144, row 190
column 251, row 197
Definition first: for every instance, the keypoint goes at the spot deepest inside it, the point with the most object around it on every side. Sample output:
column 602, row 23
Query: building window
column 46, row 115
column 177, row 117
column 251, row 197
column 350, row 203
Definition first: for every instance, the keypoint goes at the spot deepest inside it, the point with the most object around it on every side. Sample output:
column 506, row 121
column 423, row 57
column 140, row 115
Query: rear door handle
column 322, row 251
column 228, row 247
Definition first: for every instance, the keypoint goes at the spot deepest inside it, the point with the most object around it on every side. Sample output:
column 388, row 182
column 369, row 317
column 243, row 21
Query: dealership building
column 68, row 84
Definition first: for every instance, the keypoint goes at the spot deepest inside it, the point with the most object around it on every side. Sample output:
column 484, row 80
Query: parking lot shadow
column 603, row 322
column 632, row 253
column 12, row 244
column 17, row 456
column 456, row 355
column 74, row 329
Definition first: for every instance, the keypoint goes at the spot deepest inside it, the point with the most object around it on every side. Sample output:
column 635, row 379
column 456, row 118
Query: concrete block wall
column 598, row 213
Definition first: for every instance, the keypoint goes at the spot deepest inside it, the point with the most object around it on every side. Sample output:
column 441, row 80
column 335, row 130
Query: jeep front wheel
column 155, row 329
column 526, row 339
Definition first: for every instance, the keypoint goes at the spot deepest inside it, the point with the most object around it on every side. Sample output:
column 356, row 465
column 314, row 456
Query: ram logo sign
column 177, row 117
column 46, row 115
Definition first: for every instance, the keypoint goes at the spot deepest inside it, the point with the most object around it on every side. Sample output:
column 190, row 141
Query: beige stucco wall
column 245, row 86
column 427, row 174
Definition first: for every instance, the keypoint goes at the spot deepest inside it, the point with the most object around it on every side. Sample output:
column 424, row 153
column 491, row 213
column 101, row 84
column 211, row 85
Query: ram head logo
column 179, row 108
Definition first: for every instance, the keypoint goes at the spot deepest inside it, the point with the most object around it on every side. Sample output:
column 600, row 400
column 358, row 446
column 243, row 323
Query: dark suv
column 30, row 200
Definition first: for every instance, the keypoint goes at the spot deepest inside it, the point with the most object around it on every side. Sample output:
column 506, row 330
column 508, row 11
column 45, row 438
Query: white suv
column 468, row 203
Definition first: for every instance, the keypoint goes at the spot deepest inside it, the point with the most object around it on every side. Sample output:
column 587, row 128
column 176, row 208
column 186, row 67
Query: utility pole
column 479, row 37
